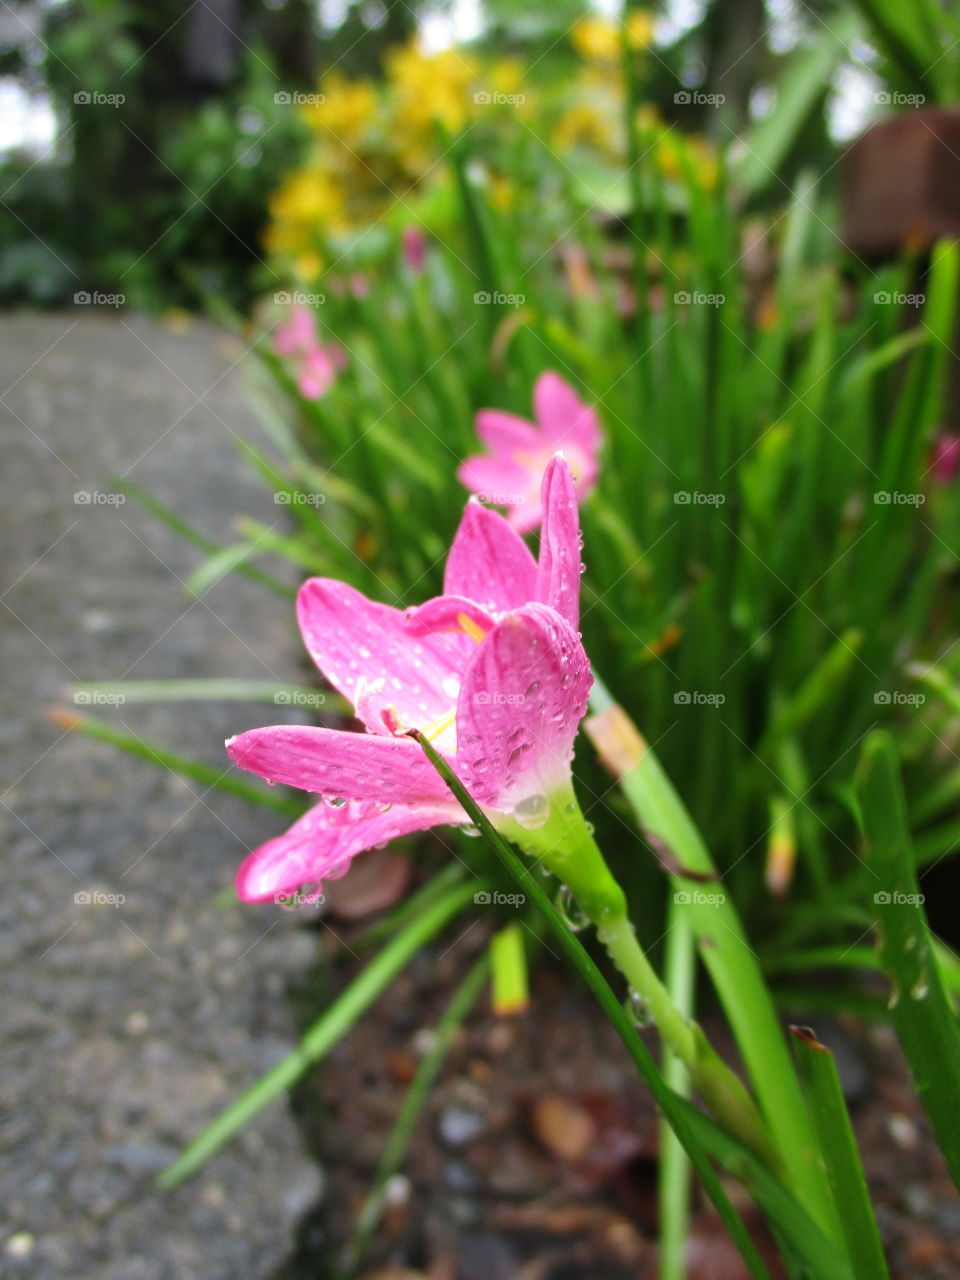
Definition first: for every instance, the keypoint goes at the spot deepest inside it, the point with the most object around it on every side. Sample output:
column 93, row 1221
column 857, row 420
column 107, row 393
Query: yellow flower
column 599, row 39
column 347, row 108
column 431, row 88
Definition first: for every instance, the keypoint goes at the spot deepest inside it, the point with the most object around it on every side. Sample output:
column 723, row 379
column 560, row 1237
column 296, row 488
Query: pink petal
column 489, row 562
column 523, row 696
column 506, row 433
column 444, row 613
column 353, row 640
column 496, row 481
column 317, row 373
column 558, row 407
column 526, row 515
column 558, row 571
column 321, row 844
column 357, row 766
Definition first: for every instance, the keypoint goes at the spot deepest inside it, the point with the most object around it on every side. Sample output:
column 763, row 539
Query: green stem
column 563, row 842
column 675, row 1170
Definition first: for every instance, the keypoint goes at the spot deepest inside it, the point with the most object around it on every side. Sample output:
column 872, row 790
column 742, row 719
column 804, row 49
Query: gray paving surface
column 126, row 1028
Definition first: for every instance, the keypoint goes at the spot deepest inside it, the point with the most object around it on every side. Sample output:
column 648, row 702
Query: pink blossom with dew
column 316, row 363
column 945, row 459
column 493, row 672
column 510, row 474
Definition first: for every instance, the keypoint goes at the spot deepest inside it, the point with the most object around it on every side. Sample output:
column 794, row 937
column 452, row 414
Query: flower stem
column 564, row 843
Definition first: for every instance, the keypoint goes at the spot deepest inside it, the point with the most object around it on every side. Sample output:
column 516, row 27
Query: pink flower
column 414, row 248
column 519, row 451
column 316, row 363
column 493, row 672
column 945, row 459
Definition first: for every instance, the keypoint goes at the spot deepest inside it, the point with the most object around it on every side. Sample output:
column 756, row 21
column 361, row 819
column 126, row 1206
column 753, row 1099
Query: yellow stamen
column 473, row 629
column 436, row 727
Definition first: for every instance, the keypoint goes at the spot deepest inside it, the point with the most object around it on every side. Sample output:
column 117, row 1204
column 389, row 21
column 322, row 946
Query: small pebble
column 562, row 1127
column 458, row 1125
column 20, row 1245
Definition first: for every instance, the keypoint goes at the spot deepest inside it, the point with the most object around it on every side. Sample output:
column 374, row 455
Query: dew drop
column 637, row 1011
column 383, row 808
column 573, row 917
column 470, row 830
column 533, row 812
column 336, row 802
column 450, row 684
column 532, row 689
column 920, row 989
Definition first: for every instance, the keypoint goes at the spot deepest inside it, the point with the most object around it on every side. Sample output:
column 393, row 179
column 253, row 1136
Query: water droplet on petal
column 336, row 802
column 470, row 830
column 532, row 812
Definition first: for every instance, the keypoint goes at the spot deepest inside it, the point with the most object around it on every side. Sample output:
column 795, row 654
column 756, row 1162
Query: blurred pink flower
column 510, row 474
column 946, row 458
column 493, row 672
column 316, row 363
column 414, row 248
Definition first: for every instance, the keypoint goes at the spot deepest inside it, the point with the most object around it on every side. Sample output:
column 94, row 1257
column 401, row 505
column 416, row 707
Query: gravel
column 132, row 1017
